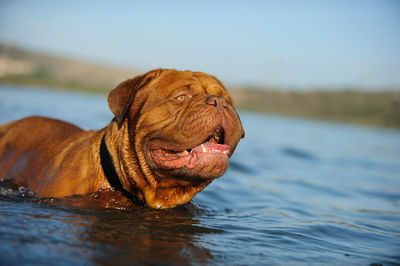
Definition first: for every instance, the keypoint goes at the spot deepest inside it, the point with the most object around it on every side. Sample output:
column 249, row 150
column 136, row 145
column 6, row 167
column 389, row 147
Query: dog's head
column 182, row 128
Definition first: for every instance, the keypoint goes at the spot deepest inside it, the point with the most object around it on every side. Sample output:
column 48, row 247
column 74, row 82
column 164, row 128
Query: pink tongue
column 211, row 147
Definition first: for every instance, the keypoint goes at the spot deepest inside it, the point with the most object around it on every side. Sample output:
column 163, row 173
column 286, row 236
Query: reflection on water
column 296, row 192
column 149, row 236
column 52, row 232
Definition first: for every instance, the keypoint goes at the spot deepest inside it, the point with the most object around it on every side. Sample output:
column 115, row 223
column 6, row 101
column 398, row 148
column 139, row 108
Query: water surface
column 297, row 192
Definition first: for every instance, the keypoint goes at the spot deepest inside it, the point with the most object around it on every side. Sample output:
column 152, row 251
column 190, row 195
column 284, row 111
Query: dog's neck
column 110, row 172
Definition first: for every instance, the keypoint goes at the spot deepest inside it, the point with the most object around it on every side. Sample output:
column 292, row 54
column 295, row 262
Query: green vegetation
column 355, row 106
column 39, row 80
column 20, row 66
column 373, row 108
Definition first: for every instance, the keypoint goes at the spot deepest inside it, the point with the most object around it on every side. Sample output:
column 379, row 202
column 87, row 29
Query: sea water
column 297, row 192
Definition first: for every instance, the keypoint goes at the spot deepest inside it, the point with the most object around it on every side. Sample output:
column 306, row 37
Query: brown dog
column 171, row 136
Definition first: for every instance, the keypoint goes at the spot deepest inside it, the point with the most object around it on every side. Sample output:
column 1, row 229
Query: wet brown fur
column 58, row 159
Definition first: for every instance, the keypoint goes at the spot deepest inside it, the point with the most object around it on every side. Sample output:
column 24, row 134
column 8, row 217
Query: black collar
column 110, row 172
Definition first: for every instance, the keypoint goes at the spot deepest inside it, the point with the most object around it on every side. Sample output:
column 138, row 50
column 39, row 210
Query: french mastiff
column 171, row 135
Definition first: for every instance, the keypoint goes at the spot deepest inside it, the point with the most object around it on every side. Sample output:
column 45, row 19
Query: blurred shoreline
column 378, row 108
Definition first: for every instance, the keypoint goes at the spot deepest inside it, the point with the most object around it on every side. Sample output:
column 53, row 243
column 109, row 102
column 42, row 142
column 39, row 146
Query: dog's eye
column 181, row 97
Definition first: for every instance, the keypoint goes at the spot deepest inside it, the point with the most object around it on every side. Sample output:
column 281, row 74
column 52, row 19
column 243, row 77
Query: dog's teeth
column 203, row 148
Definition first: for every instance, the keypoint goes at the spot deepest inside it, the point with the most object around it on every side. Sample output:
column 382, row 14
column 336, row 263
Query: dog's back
column 28, row 146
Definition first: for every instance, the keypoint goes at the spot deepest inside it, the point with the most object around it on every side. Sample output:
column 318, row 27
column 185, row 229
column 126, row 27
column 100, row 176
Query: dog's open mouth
column 211, row 151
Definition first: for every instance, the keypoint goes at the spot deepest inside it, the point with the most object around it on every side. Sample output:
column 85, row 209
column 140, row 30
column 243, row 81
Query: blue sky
column 284, row 44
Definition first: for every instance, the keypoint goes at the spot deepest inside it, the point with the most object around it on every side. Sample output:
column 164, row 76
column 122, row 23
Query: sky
column 277, row 44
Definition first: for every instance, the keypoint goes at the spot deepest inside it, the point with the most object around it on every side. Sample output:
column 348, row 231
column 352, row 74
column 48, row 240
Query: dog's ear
column 121, row 98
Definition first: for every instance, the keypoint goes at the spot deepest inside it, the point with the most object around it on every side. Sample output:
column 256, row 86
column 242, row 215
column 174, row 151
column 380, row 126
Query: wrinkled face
column 185, row 133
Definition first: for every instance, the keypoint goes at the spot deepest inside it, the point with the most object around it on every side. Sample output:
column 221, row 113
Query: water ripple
column 297, row 192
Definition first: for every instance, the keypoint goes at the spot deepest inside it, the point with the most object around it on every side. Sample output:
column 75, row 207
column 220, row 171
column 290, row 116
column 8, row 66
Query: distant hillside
column 354, row 106
column 374, row 108
column 17, row 65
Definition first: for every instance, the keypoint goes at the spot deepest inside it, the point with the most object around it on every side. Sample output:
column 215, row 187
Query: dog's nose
column 217, row 101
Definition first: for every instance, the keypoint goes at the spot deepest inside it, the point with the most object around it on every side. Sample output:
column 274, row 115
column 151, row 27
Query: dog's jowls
column 172, row 134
